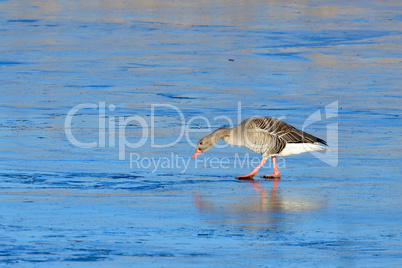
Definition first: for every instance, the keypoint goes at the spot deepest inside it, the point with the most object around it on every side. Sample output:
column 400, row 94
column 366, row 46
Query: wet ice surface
column 62, row 205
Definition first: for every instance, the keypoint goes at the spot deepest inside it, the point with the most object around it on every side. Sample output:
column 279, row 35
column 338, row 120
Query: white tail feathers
column 298, row 148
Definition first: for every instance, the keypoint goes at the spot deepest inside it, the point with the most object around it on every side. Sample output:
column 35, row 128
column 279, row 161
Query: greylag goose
column 267, row 136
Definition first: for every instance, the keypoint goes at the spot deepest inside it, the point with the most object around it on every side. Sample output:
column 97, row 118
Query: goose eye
column 200, row 143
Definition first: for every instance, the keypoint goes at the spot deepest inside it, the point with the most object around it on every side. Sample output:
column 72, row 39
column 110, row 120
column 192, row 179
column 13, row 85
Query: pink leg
column 253, row 172
column 276, row 173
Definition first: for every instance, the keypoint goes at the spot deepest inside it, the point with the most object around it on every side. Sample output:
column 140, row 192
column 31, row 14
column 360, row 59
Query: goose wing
column 258, row 135
column 283, row 131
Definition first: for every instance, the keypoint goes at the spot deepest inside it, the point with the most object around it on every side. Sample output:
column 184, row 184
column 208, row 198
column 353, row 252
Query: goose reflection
column 263, row 208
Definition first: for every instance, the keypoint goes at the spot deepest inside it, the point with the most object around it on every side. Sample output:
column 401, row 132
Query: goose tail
column 299, row 148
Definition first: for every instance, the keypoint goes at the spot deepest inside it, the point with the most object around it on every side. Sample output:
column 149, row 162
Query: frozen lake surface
column 166, row 62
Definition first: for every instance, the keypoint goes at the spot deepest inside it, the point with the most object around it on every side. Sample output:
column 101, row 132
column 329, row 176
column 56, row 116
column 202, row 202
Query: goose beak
column 197, row 152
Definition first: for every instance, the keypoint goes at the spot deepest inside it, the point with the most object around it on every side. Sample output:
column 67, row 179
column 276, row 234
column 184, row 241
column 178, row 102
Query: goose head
column 204, row 145
column 210, row 140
